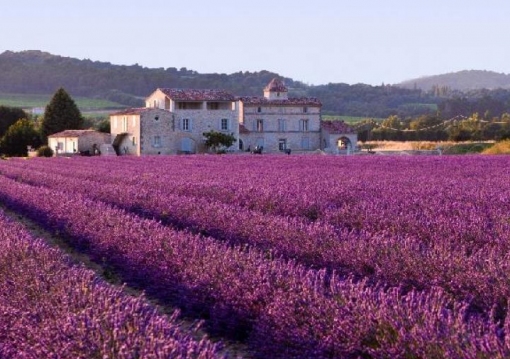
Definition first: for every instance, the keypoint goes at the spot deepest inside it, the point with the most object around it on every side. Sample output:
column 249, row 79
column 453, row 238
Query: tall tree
column 61, row 114
column 18, row 137
column 8, row 117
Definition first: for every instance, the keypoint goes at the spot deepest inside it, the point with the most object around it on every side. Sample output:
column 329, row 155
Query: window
column 156, row 118
column 124, row 124
column 224, row 124
column 259, row 109
column 155, row 103
column 303, row 125
column 157, row 141
column 260, row 125
column 282, row 125
column 134, row 141
column 282, row 144
column 305, row 109
column 186, row 124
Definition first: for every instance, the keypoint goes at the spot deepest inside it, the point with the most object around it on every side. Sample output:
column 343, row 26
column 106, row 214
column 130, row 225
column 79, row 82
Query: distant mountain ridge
column 462, row 80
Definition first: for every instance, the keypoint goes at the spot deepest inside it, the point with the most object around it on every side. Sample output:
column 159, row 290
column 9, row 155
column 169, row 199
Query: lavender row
column 288, row 186
column 51, row 309
column 444, row 234
column 285, row 310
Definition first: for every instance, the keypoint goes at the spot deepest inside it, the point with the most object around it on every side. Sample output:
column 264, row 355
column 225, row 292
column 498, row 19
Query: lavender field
column 293, row 256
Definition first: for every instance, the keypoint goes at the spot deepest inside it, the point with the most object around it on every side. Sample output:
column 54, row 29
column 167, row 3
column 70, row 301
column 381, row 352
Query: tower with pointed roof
column 279, row 123
column 276, row 90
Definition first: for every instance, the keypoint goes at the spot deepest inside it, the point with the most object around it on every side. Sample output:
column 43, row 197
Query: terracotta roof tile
column 276, row 85
column 293, row 101
column 336, row 127
column 243, row 129
column 72, row 133
column 131, row 111
column 198, row 95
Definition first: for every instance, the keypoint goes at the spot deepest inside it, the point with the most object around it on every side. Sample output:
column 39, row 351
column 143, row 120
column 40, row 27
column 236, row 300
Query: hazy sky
column 314, row 41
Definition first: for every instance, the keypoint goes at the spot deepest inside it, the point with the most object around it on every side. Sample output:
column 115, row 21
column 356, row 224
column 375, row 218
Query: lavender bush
column 52, row 309
column 427, row 237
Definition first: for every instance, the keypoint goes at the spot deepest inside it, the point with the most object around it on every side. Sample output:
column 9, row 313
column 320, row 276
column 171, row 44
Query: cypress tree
column 61, row 114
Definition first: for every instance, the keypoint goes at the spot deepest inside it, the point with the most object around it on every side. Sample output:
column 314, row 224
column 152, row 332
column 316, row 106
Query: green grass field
column 429, row 106
column 27, row 101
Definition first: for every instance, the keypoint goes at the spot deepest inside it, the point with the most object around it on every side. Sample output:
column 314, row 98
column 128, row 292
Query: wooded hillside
column 461, row 81
column 37, row 72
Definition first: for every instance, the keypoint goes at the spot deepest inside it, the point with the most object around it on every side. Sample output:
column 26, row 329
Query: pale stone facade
column 278, row 123
column 174, row 121
column 77, row 141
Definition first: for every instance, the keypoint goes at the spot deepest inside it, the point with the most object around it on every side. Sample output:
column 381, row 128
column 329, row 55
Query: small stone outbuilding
column 70, row 142
column 338, row 137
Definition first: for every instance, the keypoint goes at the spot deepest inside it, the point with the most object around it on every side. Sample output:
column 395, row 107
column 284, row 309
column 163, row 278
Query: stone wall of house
column 129, row 124
column 68, row 145
column 154, row 131
column 297, row 136
column 200, row 121
column 159, row 124
column 87, row 141
column 77, row 144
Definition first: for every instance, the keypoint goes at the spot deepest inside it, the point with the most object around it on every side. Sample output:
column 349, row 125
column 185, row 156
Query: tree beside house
column 61, row 114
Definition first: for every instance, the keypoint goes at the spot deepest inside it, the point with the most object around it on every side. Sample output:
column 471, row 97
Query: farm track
column 52, row 305
column 387, row 300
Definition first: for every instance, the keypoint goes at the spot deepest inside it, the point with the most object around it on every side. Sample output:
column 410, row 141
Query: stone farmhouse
column 70, row 142
column 173, row 121
column 277, row 122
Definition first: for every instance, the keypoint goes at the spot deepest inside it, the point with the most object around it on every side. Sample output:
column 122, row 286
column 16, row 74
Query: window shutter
column 190, row 124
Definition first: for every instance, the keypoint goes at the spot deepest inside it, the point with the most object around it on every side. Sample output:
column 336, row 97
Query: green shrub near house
column 44, row 151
